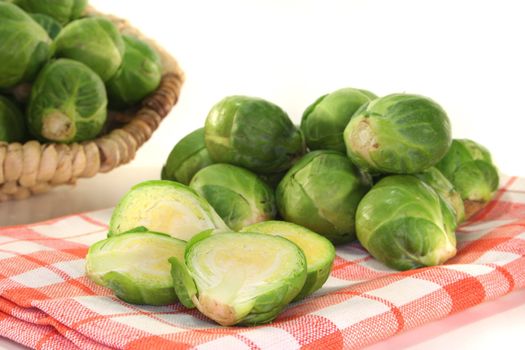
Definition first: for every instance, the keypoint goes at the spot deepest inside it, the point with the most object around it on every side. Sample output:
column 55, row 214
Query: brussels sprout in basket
column 12, row 126
column 405, row 224
column 252, row 133
column 239, row 278
column 324, row 121
column 24, row 46
column 61, row 10
column 238, row 195
column 398, row 133
column 321, row 192
column 468, row 165
column 164, row 206
column 68, row 103
column 135, row 266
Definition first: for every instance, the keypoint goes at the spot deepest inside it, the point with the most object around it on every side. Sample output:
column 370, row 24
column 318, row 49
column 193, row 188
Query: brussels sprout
column 164, row 206
column 239, row 278
column 187, row 157
column 319, row 252
column 94, row 41
column 61, row 10
column 24, row 46
column 138, row 75
column 325, row 120
column 321, row 192
column 404, row 223
column 238, row 195
column 51, row 26
column 398, row 133
column 12, row 127
column 68, row 103
column 252, row 133
column 135, row 266
column 468, row 165
column 435, row 179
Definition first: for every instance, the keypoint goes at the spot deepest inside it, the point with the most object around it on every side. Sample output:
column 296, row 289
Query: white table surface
column 494, row 324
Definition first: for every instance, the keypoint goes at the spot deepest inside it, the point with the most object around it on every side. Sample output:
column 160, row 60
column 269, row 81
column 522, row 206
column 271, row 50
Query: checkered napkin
column 46, row 301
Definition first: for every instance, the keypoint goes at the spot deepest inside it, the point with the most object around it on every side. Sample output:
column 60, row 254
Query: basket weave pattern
column 33, row 167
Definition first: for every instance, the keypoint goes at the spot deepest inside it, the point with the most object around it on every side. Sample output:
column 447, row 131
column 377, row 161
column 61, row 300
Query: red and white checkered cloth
column 47, row 302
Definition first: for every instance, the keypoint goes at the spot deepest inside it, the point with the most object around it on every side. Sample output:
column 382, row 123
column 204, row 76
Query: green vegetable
column 468, row 165
column 187, row 157
column 238, row 195
column 319, row 251
column 135, row 266
column 239, row 278
column 68, row 103
column 24, row 46
column 405, row 224
column 321, row 192
column 398, row 133
column 138, row 76
column 252, row 133
column 51, row 26
column 164, row 206
column 61, row 10
column 324, row 121
column 12, row 126
column 94, row 41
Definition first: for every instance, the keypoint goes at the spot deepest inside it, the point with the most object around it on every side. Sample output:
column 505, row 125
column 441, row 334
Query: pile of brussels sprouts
column 60, row 71
column 245, row 218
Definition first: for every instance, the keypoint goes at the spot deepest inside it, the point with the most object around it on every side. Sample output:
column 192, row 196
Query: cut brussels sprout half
column 324, row 121
column 135, row 266
column 405, row 224
column 239, row 196
column 239, row 278
column 254, row 134
column 398, row 133
column 164, row 206
column 187, row 157
column 321, row 192
column 12, row 126
column 468, row 165
column 319, row 251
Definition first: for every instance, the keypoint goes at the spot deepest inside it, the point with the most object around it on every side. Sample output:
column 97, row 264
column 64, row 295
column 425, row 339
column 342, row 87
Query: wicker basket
column 32, row 168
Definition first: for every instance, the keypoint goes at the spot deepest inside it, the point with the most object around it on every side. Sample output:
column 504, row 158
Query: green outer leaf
column 252, row 133
column 238, row 195
column 94, row 41
column 324, row 121
column 50, row 25
column 319, row 251
column 12, row 126
column 321, row 192
column 398, row 133
column 62, row 11
column 183, row 283
column 187, row 157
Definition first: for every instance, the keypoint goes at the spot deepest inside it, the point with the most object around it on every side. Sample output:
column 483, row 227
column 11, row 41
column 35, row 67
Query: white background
column 468, row 56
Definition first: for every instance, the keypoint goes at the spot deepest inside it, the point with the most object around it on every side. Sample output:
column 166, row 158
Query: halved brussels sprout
column 321, row 192
column 68, row 103
column 164, row 206
column 187, row 157
column 435, row 179
column 319, row 251
column 398, row 133
column 12, row 126
column 94, row 41
column 324, row 121
column 238, row 195
column 135, row 266
column 252, row 133
column 61, row 10
column 239, row 278
column 468, row 165
column 138, row 75
column 405, row 224
column 24, row 46
column 51, row 26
